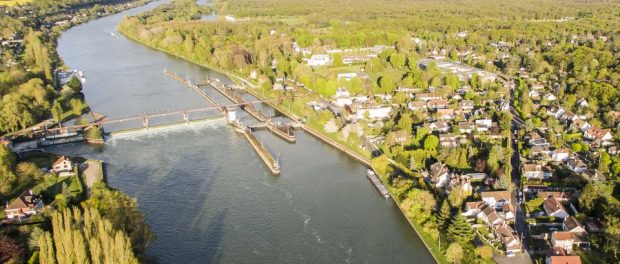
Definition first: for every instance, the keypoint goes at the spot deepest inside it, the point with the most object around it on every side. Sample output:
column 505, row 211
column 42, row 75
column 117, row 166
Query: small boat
column 372, row 176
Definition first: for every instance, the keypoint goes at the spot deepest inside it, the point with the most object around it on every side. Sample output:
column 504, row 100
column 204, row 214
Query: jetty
column 264, row 154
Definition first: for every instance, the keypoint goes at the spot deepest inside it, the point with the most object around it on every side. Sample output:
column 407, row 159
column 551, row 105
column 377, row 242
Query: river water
column 205, row 193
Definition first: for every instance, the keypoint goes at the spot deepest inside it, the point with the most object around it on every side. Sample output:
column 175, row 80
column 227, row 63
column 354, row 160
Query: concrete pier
column 271, row 163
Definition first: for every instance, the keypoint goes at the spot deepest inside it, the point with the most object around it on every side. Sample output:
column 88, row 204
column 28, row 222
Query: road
column 520, row 223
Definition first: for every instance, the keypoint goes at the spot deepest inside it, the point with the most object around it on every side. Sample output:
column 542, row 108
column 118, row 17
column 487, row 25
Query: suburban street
column 520, row 224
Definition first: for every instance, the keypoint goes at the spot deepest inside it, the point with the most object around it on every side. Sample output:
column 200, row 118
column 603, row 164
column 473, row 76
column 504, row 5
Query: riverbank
column 428, row 242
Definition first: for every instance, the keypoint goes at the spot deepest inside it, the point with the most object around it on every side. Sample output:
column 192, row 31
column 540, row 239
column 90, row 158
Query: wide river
column 205, row 193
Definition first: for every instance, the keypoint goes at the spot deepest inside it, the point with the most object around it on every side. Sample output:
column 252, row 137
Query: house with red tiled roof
column 63, row 166
column 561, row 196
column 563, row 239
column 437, row 104
column 509, row 238
column 564, row 260
column 597, row 133
column 554, row 208
column 26, row 204
column 417, row 105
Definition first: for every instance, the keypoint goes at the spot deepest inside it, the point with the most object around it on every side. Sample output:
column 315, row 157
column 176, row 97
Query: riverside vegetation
column 107, row 227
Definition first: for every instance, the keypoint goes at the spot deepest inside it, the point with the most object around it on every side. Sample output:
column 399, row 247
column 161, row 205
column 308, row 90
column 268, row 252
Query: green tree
column 419, row 204
column 7, row 164
column 406, row 123
column 387, row 84
column 397, row 60
column 123, row 213
column 76, row 106
column 57, row 111
column 82, row 238
column 444, row 215
column 431, row 142
column 75, row 84
column 484, row 252
column 454, row 253
column 460, row 231
column 28, row 172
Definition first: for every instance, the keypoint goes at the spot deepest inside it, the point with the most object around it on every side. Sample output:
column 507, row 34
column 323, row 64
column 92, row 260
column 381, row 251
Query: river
column 205, row 193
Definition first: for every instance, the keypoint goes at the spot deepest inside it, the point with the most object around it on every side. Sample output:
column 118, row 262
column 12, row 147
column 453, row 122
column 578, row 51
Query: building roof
column 555, row 251
column 552, row 205
column 60, row 160
column 25, row 200
column 473, row 205
column 571, row 223
column 438, row 169
column 437, row 102
column 594, row 175
column 562, row 235
column 506, row 234
column 490, row 213
column 557, row 195
column 530, row 167
column 565, row 260
column 597, row 132
column 497, row 195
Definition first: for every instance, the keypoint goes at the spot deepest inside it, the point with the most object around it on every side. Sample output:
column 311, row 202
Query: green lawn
column 51, row 186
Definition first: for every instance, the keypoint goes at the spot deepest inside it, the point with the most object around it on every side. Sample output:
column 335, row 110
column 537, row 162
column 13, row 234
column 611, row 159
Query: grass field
column 13, row 2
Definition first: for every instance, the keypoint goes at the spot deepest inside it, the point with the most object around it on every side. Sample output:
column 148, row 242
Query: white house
column 440, row 126
column 576, row 165
column 496, row 199
column 342, row 101
column 488, row 215
column 347, row 76
column 563, row 239
column 319, row 60
column 555, row 112
column 554, row 208
column 550, row 97
column 486, row 123
column 560, row 154
column 375, row 113
column 439, row 174
column 342, row 92
column 62, row 164
column 593, row 133
column 582, row 103
column 473, row 208
column 532, row 171
column 63, row 167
